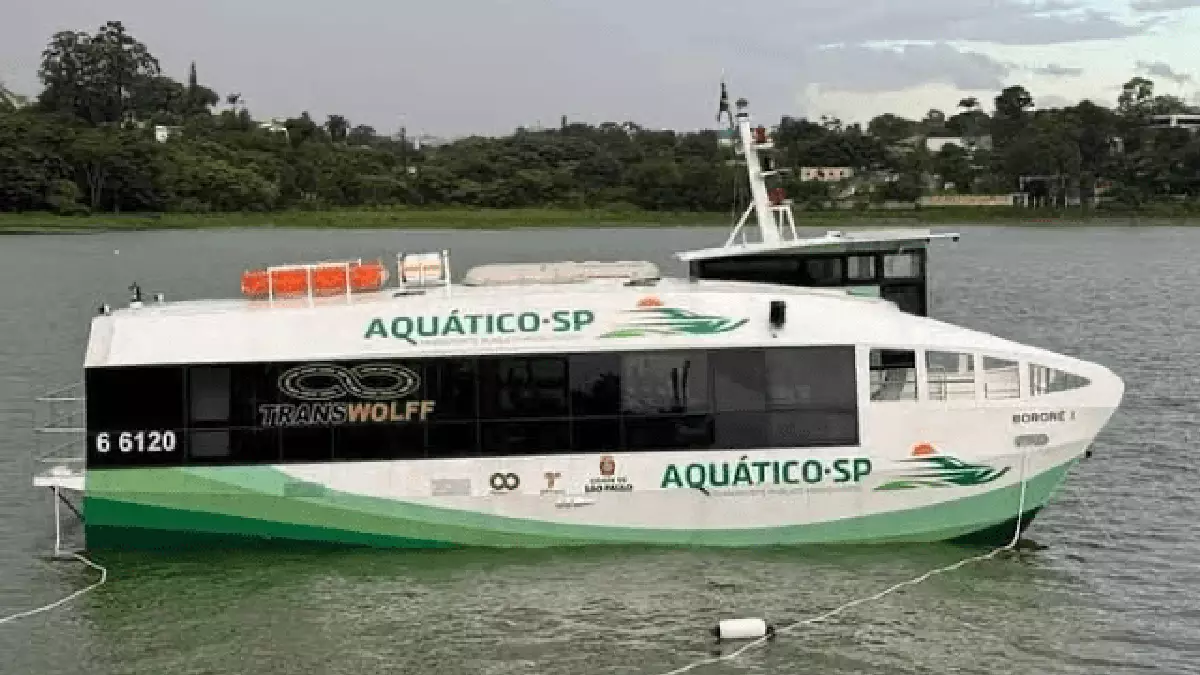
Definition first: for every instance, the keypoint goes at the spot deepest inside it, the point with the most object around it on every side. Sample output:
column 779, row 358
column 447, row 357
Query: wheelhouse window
column 1043, row 380
column 860, row 268
column 1001, row 379
column 824, row 271
column 782, row 269
column 893, row 375
column 951, row 376
column 902, row 265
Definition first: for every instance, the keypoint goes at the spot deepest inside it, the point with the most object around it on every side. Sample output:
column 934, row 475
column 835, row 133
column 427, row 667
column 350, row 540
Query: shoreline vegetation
column 458, row 218
column 111, row 142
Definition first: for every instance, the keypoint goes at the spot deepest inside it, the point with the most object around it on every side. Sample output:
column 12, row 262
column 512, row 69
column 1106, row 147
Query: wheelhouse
column 892, row 265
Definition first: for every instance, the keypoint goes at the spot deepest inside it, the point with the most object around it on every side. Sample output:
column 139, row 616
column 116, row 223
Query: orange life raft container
column 318, row 279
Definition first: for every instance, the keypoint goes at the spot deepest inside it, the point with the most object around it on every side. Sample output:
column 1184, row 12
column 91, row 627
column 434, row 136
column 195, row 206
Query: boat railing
column 310, row 289
column 783, row 219
column 418, row 271
column 59, row 427
column 60, row 453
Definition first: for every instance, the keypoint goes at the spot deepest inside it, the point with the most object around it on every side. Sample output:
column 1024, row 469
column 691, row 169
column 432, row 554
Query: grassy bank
column 464, row 218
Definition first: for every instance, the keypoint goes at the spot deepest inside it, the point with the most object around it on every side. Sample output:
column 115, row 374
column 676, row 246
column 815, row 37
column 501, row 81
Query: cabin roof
column 833, row 241
column 717, row 314
column 400, row 299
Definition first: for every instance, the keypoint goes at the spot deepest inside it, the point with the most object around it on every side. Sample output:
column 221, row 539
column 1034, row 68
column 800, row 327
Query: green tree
column 94, row 76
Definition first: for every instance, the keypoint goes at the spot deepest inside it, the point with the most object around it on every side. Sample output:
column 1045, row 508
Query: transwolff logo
column 332, row 394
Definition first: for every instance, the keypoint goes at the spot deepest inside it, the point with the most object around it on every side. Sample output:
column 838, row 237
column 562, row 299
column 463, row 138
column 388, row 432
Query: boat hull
column 376, row 504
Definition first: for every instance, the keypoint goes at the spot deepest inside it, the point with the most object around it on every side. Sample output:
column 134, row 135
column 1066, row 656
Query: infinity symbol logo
column 504, row 481
column 326, row 382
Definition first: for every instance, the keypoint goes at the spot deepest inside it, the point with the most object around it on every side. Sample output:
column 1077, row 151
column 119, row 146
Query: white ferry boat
column 787, row 391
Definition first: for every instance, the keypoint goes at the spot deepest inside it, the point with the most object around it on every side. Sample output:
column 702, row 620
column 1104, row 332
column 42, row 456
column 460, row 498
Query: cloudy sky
column 453, row 67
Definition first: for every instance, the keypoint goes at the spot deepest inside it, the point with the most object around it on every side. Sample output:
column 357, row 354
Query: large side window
column 524, row 405
column 951, row 376
column 595, row 402
column 893, row 375
column 372, row 410
column 813, row 396
column 665, row 401
column 740, row 398
column 453, row 428
column 1043, row 380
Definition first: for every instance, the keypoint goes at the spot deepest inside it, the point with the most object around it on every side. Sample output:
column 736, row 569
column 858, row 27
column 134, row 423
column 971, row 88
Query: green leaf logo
column 673, row 321
column 944, row 471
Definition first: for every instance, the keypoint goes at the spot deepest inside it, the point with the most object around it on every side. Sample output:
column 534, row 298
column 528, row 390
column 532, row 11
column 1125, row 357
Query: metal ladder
column 59, row 452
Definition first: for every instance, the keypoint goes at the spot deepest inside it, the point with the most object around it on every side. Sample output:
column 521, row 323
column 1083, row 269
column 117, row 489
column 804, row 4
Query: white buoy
column 742, row 629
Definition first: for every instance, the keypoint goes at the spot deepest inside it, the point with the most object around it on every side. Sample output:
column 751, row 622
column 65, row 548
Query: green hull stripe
column 166, row 508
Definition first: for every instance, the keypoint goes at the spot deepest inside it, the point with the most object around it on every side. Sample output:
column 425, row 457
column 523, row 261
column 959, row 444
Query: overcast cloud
column 1163, row 71
column 1055, row 70
column 1163, row 5
column 458, row 66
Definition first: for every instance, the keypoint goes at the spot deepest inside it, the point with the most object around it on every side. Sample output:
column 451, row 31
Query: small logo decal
column 608, row 466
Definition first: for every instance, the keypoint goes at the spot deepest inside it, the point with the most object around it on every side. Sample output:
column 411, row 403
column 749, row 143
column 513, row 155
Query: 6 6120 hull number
column 135, row 441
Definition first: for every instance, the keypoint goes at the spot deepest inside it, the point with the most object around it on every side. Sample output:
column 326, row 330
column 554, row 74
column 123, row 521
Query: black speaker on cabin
column 778, row 314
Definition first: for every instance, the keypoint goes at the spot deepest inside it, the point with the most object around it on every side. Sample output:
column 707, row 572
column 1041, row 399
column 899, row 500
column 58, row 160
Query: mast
column 764, row 204
column 764, row 216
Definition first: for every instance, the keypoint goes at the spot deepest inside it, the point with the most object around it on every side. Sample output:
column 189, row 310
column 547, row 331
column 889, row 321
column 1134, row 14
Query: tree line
column 87, row 144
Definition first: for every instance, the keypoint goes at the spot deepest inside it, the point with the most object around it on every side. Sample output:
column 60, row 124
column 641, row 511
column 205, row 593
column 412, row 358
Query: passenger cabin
column 888, row 264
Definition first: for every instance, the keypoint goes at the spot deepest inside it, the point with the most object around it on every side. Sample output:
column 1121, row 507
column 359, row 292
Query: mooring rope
column 46, row 608
column 885, row 592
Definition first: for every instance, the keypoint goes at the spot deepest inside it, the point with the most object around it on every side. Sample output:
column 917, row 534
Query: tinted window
column 451, row 384
column 134, row 398
column 317, row 412
column 135, row 416
column 595, row 384
column 452, row 439
column 664, row 382
column 739, row 379
column 785, row 269
column 208, row 394
column 824, row 271
column 526, row 437
column 523, row 387
column 812, row 378
column 860, row 268
column 809, row 397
